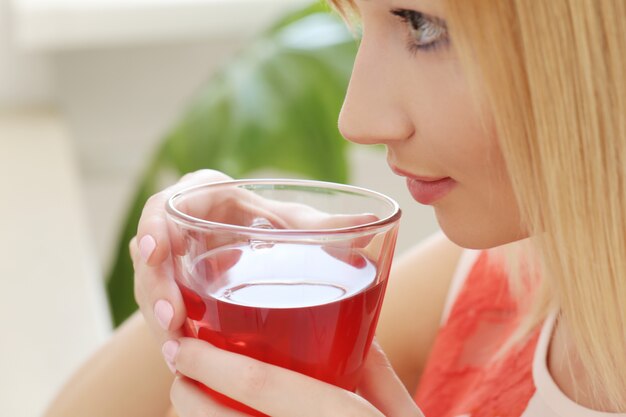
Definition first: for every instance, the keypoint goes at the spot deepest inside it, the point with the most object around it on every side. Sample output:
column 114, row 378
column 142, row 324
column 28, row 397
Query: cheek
column 448, row 123
column 481, row 212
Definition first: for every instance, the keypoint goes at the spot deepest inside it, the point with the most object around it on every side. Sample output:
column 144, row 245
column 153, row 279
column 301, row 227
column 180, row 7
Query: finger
column 190, row 401
column 152, row 231
column 224, row 204
column 133, row 249
column 302, row 216
column 382, row 388
column 270, row 389
column 349, row 250
column 158, row 296
column 348, row 255
column 350, row 220
column 339, row 221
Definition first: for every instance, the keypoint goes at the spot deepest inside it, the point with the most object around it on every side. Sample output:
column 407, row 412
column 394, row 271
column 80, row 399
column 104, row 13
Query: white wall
column 119, row 103
column 25, row 78
column 53, row 313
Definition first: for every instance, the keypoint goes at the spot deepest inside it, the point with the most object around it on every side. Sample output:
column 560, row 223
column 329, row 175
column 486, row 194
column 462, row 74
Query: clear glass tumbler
column 290, row 272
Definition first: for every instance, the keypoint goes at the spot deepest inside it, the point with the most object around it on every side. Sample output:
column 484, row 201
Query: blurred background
column 103, row 102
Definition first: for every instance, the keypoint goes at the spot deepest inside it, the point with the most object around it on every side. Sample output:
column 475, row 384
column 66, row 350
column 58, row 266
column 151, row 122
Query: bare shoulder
column 418, row 285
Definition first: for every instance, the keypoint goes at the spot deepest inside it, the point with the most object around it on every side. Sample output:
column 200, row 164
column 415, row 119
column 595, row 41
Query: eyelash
column 417, row 21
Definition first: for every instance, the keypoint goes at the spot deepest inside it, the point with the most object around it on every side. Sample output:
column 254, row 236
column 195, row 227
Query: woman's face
column 409, row 92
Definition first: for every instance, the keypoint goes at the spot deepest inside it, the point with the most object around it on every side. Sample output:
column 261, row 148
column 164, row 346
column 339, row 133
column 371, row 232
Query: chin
column 483, row 234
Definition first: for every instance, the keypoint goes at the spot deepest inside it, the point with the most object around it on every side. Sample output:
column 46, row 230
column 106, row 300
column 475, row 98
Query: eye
column 425, row 32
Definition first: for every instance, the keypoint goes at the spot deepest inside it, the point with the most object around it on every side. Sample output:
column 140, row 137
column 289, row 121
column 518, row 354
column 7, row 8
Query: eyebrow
column 426, row 7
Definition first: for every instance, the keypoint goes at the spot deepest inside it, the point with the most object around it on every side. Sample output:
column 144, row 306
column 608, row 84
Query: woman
column 507, row 116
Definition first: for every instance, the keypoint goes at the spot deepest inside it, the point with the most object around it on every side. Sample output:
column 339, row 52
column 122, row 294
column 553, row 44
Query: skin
column 406, row 102
column 420, row 107
column 418, row 104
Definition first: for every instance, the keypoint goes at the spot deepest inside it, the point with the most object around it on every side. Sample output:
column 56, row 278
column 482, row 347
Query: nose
column 373, row 110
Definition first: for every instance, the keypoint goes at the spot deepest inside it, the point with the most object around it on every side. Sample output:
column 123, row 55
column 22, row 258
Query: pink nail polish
column 171, row 367
column 164, row 312
column 146, row 247
column 169, row 350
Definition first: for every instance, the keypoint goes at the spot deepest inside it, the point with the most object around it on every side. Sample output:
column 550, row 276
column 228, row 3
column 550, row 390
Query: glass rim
column 202, row 224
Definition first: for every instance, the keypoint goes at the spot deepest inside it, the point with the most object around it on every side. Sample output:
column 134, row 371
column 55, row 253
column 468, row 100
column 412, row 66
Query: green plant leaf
column 275, row 105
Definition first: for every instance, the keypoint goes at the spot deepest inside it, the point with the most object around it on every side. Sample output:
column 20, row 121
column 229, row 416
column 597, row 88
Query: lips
column 426, row 190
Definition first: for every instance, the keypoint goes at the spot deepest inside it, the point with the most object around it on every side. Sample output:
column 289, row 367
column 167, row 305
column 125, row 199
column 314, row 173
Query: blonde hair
column 554, row 73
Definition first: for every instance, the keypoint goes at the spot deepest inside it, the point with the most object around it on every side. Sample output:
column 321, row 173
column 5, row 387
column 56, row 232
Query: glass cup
column 289, row 272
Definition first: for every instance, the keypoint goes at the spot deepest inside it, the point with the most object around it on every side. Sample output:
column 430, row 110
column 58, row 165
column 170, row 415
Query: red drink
column 295, row 306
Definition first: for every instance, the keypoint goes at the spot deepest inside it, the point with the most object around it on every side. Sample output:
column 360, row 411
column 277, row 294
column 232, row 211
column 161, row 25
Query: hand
column 156, row 292
column 280, row 392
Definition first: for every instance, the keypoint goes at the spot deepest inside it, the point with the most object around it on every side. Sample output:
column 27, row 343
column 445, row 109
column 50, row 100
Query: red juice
column 302, row 307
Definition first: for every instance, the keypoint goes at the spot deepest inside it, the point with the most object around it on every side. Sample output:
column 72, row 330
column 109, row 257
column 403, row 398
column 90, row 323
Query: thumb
column 383, row 389
column 347, row 250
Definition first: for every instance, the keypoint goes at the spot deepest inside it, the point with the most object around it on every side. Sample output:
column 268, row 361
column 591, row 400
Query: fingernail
column 146, row 247
column 169, row 350
column 171, row 367
column 164, row 312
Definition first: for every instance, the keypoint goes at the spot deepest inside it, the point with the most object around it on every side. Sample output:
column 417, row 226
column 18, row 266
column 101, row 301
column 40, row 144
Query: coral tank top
column 462, row 378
